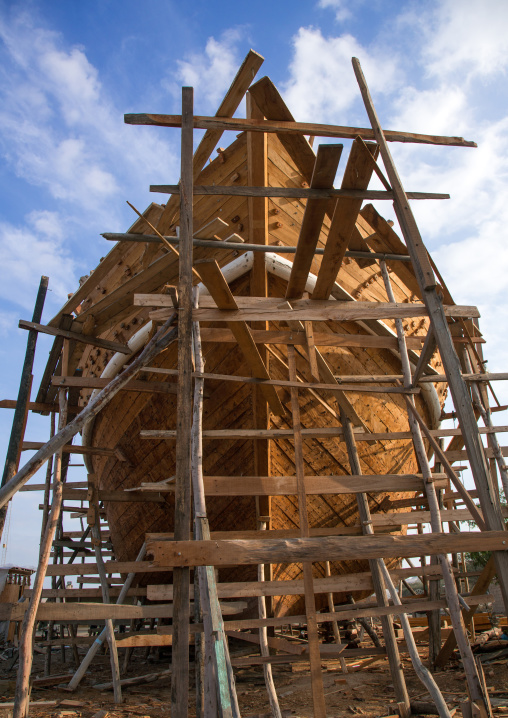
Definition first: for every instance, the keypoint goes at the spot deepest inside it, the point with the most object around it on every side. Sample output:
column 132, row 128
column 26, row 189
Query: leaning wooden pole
column 164, row 337
column 475, row 690
column 22, row 694
column 489, row 500
column 183, row 507
column 20, row 412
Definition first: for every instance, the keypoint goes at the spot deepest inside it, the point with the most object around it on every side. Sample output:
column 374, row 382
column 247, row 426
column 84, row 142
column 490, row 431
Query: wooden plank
column 237, row 124
column 463, row 454
column 227, row 108
column 218, row 287
column 118, row 496
column 76, row 336
column 314, row 485
column 49, row 611
column 342, row 386
column 321, row 339
column 292, row 192
column 344, row 379
column 341, row 548
column 91, row 382
column 68, row 449
column 309, row 310
column 335, row 584
column 39, row 407
column 356, row 176
column 325, row 169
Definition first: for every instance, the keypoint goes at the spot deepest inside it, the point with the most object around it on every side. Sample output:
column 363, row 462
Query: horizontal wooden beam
column 314, row 485
column 238, row 124
column 91, row 382
column 69, row 449
column 341, row 548
column 369, row 388
column 322, row 339
column 75, row 336
column 327, row 432
column 292, row 192
column 334, row 584
column 38, row 406
column 119, row 496
column 228, row 246
column 317, row 310
column 100, row 611
column 462, row 454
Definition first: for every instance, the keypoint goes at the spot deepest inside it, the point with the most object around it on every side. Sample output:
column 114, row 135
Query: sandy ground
column 366, row 692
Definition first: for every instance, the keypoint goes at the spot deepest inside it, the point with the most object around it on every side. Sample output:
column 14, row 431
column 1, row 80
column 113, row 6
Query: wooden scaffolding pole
column 218, row 690
column 183, row 506
column 461, row 397
column 452, row 596
column 318, row 696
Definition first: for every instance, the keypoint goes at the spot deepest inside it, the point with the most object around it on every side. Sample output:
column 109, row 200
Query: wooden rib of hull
column 230, row 404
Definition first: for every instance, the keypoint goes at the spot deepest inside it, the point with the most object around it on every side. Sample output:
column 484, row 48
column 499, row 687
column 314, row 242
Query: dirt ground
column 366, row 692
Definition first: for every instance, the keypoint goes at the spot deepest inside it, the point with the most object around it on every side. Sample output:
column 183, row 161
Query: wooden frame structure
column 453, row 331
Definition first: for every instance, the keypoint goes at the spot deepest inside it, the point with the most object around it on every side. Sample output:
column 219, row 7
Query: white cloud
column 60, row 130
column 466, row 39
column 31, row 250
column 321, row 85
column 211, row 72
column 340, row 7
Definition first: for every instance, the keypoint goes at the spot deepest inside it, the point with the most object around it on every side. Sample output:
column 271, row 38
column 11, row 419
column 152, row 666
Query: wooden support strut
column 251, row 124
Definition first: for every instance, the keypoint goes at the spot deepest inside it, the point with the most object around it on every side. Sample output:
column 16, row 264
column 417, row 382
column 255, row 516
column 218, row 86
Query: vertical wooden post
column 20, row 412
column 318, row 696
column 101, row 570
column 181, row 616
column 21, row 697
column 335, row 625
column 47, row 487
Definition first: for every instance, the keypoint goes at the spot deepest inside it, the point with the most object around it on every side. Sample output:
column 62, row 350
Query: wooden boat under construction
column 366, row 348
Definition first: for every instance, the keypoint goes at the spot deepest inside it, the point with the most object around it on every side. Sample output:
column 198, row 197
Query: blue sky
column 68, row 72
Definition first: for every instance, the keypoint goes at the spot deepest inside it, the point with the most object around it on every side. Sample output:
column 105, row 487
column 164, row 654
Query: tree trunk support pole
column 219, row 684
column 183, row 505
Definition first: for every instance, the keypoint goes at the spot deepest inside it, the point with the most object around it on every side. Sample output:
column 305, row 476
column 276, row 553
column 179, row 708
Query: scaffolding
column 281, row 340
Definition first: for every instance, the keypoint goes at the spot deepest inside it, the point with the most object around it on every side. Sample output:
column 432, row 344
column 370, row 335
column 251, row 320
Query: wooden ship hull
column 362, row 348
